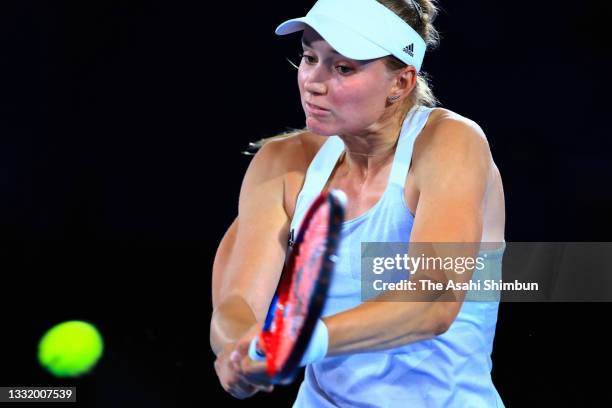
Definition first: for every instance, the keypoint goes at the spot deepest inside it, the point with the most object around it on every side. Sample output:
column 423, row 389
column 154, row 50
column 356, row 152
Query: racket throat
column 291, row 238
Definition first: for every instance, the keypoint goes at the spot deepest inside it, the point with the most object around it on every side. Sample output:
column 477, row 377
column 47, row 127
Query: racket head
column 303, row 286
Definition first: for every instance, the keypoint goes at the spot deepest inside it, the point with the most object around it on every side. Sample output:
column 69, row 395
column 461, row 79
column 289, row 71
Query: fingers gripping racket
column 302, row 289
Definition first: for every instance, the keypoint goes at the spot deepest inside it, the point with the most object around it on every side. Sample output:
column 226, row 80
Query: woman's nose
column 315, row 80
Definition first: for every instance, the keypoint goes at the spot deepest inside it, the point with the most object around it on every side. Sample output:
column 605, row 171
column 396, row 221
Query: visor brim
column 341, row 38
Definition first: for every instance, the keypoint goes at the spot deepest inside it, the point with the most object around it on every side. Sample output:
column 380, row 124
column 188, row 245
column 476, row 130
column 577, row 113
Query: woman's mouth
column 315, row 110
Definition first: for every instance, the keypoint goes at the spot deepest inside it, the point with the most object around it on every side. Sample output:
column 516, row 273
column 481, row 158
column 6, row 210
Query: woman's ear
column 405, row 81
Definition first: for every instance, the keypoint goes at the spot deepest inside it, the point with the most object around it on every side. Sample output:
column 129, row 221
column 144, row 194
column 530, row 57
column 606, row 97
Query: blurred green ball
column 70, row 349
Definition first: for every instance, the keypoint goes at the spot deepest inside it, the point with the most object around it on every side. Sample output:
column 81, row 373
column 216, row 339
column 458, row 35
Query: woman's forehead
column 311, row 38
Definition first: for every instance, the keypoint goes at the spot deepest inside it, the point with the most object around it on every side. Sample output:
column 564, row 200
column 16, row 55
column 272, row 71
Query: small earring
column 393, row 98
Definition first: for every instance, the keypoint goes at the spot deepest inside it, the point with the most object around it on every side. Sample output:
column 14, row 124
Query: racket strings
column 294, row 298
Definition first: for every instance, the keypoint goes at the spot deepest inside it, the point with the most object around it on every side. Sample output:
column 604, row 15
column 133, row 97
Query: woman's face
column 340, row 95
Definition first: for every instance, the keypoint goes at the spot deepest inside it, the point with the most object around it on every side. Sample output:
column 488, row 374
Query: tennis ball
column 70, row 349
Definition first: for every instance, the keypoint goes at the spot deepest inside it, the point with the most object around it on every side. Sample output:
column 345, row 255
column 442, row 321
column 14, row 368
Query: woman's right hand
column 231, row 376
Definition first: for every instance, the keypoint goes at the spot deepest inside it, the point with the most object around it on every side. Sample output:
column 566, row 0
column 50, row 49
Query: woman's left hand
column 252, row 371
column 238, row 374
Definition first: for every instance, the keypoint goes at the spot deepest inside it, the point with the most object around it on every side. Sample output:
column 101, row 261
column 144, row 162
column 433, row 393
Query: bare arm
column 452, row 179
column 222, row 256
column 250, row 257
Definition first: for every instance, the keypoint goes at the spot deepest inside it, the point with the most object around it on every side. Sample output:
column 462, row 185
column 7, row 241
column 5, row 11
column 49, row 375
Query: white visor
column 361, row 30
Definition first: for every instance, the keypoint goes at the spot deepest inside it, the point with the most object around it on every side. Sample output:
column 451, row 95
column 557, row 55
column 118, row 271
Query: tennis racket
column 302, row 289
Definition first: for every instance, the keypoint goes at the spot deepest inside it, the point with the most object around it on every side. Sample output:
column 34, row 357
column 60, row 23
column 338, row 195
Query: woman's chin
column 319, row 128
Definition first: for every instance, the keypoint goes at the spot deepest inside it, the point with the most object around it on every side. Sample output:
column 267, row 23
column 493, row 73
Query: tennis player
column 412, row 172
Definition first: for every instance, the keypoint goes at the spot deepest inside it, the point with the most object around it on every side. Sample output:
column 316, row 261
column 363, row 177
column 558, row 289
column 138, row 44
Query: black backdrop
column 122, row 124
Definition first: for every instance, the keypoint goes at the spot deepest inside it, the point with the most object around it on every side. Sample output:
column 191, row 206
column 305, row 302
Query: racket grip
column 255, row 353
column 317, row 348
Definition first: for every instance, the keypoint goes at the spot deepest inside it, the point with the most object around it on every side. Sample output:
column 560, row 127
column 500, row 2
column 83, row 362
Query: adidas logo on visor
column 409, row 50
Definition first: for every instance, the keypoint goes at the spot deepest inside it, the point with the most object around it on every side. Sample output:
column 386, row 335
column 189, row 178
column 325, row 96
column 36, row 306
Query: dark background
column 121, row 127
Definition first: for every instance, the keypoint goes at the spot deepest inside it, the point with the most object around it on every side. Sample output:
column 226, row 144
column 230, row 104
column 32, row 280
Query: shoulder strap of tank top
column 318, row 173
column 322, row 165
column 412, row 126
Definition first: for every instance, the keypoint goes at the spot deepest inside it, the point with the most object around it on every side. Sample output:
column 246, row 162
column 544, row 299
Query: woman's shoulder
column 290, row 152
column 286, row 158
column 447, row 132
column 442, row 119
column 446, row 142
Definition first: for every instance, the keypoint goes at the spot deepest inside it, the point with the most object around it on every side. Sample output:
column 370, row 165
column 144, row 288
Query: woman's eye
column 344, row 70
column 309, row 59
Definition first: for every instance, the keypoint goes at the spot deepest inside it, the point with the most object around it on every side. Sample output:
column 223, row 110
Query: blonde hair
column 420, row 15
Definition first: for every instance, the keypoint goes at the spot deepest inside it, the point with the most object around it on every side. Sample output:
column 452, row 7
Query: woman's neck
column 375, row 148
